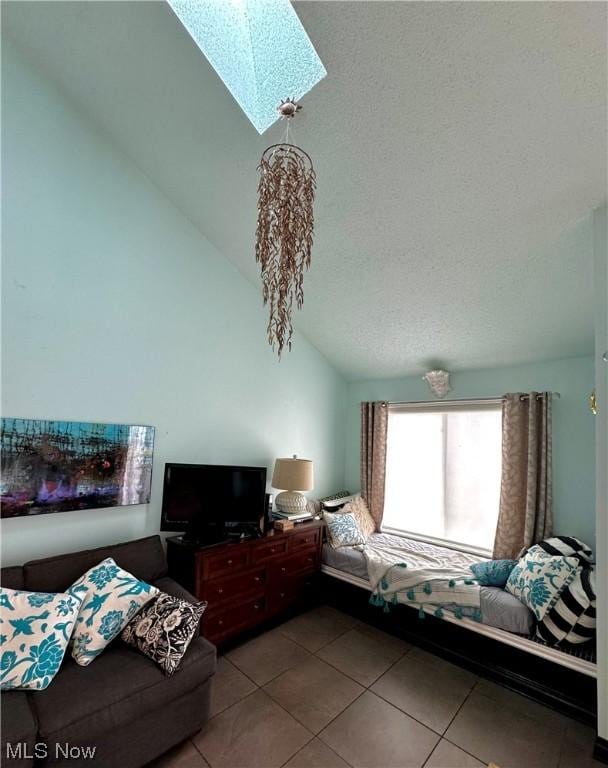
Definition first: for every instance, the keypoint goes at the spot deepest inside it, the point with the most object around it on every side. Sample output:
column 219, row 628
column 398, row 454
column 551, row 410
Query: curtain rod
column 470, row 400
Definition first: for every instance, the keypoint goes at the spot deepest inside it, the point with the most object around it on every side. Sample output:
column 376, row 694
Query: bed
column 499, row 609
column 502, row 645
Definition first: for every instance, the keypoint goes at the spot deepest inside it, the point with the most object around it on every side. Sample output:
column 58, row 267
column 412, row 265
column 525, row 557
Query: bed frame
column 566, row 682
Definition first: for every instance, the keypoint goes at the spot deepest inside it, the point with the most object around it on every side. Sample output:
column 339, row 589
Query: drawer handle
column 272, row 550
column 304, row 541
column 229, row 562
column 220, row 622
column 256, row 578
column 257, row 606
column 283, row 570
column 282, row 594
column 309, row 559
column 220, row 591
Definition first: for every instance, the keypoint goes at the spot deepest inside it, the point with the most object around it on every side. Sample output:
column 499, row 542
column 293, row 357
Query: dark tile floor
column 325, row 691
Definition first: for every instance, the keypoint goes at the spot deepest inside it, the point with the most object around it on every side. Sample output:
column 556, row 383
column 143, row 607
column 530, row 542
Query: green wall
column 573, row 426
column 116, row 309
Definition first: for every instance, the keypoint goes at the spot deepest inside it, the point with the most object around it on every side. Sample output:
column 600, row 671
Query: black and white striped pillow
column 567, row 546
column 572, row 618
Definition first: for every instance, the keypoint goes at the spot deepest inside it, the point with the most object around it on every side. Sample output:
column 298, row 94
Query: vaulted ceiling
column 459, row 147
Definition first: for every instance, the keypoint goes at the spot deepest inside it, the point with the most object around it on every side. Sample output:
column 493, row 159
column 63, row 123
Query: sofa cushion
column 171, row 587
column 164, row 629
column 120, row 687
column 36, row 628
column 144, row 558
column 12, row 577
column 109, row 597
column 18, row 721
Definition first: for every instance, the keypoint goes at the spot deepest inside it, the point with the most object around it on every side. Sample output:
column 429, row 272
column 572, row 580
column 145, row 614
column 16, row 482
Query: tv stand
column 212, row 535
column 242, row 531
column 204, row 538
column 247, row 582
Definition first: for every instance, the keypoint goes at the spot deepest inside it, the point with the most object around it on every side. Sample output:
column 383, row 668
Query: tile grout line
column 479, row 679
column 365, row 687
column 238, row 669
column 443, row 736
column 335, row 718
column 464, row 701
column 326, row 661
column 365, row 690
column 240, row 701
column 333, row 640
column 199, row 752
column 324, row 744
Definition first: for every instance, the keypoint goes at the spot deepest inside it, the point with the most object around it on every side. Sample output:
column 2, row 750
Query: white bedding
column 414, row 572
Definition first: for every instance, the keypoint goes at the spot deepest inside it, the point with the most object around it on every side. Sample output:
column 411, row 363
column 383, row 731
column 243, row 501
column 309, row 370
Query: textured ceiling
column 459, row 149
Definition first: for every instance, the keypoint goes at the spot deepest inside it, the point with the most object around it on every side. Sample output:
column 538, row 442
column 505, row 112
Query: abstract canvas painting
column 56, row 466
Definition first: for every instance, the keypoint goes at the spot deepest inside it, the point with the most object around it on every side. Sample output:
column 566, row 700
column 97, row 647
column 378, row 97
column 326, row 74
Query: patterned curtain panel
column 526, row 512
column 374, row 422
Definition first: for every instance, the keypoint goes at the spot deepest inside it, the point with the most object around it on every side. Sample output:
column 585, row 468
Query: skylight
column 258, row 47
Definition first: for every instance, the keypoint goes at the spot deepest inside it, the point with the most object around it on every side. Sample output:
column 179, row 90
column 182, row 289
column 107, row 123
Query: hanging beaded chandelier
column 284, row 232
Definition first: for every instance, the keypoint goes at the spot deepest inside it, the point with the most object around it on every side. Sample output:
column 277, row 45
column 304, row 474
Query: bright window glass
column 259, row 48
column 443, row 473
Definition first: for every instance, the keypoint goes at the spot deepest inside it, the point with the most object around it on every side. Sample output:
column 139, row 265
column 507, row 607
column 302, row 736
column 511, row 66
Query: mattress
column 499, row 609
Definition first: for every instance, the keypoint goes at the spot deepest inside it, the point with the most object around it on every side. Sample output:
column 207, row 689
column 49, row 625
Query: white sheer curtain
column 443, row 473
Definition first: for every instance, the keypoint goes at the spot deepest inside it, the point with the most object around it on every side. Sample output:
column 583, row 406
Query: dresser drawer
column 232, row 586
column 305, row 562
column 299, row 589
column 221, row 623
column 269, row 550
column 225, row 562
column 282, row 597
column 304, row 540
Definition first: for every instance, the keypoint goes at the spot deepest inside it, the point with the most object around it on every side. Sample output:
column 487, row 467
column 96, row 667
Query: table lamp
column 293, row 475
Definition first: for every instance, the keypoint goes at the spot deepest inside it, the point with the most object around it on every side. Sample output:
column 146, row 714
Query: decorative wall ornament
column 284, row 232
column 439, row 382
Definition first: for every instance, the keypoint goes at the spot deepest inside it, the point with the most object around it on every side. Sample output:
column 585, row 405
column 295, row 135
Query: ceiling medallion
column 284, row 233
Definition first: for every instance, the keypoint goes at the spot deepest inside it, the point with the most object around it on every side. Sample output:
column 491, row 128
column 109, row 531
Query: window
column 443, row 469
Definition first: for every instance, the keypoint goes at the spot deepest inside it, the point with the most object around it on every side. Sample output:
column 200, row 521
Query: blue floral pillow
column 110, row 597
column 537, row 581
column 35, row 628
column 343, row 530
column 493, row 573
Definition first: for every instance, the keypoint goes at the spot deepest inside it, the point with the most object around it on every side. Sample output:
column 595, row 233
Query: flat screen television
column 209, row 501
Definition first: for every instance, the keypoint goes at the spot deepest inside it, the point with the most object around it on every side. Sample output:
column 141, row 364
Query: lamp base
column 291, row 502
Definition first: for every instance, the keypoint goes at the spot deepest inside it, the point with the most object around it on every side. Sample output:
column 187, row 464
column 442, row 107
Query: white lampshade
column 293, row 474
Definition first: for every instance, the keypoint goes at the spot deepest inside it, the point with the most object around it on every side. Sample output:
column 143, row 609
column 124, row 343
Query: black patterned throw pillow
column 164, row 629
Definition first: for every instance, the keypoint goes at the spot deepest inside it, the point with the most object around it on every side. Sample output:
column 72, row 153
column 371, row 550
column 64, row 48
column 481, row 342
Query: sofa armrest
column 171, row 587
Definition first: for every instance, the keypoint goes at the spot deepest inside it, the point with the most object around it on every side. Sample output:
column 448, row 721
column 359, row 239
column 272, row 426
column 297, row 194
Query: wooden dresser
column 248, row 582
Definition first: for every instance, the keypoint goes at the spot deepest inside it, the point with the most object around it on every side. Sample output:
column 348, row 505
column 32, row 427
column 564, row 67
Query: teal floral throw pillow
column 343, row 530
column 109, row 598
column 538, row 580
column 493, row 573
column 35, row 628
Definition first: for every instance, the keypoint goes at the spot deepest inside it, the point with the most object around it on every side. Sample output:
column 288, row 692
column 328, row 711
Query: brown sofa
column 122, row 703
